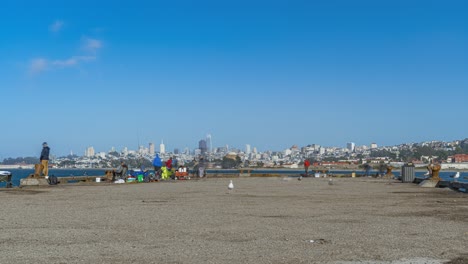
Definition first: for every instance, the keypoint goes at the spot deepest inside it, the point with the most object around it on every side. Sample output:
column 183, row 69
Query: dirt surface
column 264, row 220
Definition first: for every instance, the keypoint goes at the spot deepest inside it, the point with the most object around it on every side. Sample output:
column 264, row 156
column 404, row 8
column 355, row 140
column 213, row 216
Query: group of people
column 172, row 165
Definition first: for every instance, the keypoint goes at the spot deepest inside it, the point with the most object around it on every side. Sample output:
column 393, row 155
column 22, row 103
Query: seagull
column 230, row 186
column 457, row 175
column 330, row 182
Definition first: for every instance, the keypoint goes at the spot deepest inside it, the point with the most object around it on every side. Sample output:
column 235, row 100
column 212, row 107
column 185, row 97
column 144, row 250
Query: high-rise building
column 202, row 146
column 176, row 151
column 151, row 148
column 162, row 147
column 255, row 150
column 321, row 151
column 209, row 144
column 89, row 152
column 373, row 145
column 351, row 146
column 197, row 152
column 247, row 149
column 141, row 150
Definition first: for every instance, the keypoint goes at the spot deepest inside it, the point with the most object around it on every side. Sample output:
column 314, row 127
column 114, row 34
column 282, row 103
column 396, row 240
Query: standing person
column 306, row 166
column 157, row 164
column 382, row 169
column 175, row 163
column 45, row 158
column 201, row 167
column 121, row 171
column 368, row 168
column 169, row 163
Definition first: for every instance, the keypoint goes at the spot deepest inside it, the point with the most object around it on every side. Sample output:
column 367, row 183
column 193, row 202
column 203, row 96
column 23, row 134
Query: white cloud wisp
column 56, row 26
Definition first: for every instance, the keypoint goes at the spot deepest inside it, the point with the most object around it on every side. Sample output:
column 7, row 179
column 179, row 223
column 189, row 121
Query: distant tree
column 114, row 154
column 20, row 160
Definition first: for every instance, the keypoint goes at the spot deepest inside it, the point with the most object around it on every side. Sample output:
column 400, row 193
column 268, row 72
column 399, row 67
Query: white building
column 351, row 146
column 89, row 152
column 373, row 145
column 162, row 148
column 247, row 149
column 151, row 148
column 209, row 143
column 322, row 150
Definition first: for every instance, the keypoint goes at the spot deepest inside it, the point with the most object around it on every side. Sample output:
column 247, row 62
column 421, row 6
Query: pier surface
column 263, row 220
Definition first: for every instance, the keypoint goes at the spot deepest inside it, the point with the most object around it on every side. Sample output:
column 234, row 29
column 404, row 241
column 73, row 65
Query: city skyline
column 268, row 74
column 90, row 149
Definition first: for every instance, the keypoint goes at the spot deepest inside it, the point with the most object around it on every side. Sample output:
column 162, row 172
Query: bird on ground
column 231, row 186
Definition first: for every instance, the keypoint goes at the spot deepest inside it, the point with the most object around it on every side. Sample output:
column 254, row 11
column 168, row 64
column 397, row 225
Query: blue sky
column 268, row 73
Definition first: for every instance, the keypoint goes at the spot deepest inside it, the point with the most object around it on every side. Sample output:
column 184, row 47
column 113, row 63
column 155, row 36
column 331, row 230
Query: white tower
column 209, row 144
column 162, row 147
column 247, row 149
column 151, row 148
column 351, row 146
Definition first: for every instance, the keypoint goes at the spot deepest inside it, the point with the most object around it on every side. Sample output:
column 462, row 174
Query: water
column 18, row 174
column 445, row 175
column 22, row 173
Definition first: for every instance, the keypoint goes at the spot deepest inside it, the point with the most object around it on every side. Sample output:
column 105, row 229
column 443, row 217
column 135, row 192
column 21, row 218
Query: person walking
column 306, row 166
column 45, row 159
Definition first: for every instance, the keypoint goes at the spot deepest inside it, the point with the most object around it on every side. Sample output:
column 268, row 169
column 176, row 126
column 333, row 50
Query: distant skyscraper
column 151, row 148
column 141, row 150
column 162, row 148
column 351, row 146
column 247, row 149
column 197, row 152
column 202, row 146
column 176, row 151
column 321, row 151
column 255, row 150
column 89, row 152
column 209, row 144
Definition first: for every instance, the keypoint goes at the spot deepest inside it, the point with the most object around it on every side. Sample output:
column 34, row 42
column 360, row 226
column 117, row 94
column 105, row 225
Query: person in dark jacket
column 45, row 158
column 121, row 172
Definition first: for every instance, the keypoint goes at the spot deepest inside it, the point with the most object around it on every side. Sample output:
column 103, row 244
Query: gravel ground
column 264, row 220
